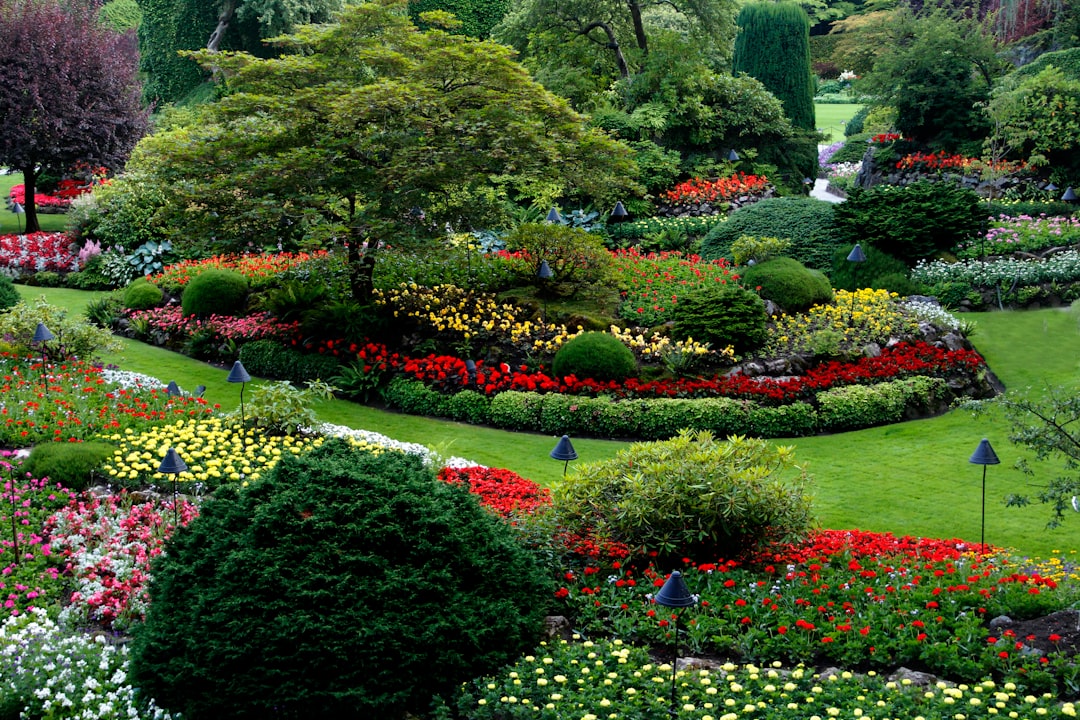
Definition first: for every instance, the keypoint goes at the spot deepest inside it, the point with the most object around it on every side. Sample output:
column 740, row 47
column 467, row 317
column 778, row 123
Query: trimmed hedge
column 806, row 221
column 861, row 406
column 271, row 359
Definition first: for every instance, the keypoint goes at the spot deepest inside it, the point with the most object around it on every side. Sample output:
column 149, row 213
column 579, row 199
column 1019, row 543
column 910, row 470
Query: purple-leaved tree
column 69, row 92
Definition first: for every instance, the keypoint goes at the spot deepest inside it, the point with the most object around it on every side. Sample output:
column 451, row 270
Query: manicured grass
column 831, row 119
column 912, row 478
column 10, row 222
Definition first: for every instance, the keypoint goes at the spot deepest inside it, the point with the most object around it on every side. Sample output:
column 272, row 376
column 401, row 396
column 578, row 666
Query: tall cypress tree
column 773, row 45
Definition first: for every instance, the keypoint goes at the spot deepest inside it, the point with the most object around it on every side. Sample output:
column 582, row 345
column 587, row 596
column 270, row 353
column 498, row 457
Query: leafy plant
column 807, row 222
column 279, row 408
column 142, row 295
column 70, row 464
column 105, row 310
column 150, row 257
column 789, row 284
column 215, row 292
column 595, row 355
column 758, row 249
column 721, row 315
column 72, row 336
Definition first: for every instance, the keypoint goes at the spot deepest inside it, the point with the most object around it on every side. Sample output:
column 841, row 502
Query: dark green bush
column 70, row 464
column 596, row 356
column 806, row 221
column 343, row 584
column 270, row 359
column 215, row 292
column 1068, row 61
column 691, row 495
column 516, row 410
column 142, row 294
column 415, row 398
column 791, row 420
column 469, row 406
column 105, row 310
column 911, row 222
column 576, row 257
column 1015, row 208
column 789, row 284
column 663, row 418
column 45, row 278
column 9, row 296
column 293, row 298
column 853, row 150
column 722, row 315
column 870, row 274
column 860, row 406
column 854, row 126
column 310, row 366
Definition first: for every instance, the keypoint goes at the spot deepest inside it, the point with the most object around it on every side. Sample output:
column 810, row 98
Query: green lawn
column 911, row 478
column 831, row 119
column 10, row 222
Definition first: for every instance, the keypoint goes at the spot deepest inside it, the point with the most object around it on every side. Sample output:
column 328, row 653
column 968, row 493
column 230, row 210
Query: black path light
column 674, row 594
column 856, row 257
column 554, row 217
column 733, row 156
column 41, row 336
column 1050, row 187
column 543, row 273
column 19, row 211
column 564, row 451
column 1069, row 196
column 984, row 455
column 618, row 213
column 173, row 390
column 239, row 375
column 173, row 465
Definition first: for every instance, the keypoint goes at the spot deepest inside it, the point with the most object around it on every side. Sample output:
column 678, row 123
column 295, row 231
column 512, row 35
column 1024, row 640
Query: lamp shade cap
column 984, row 454
column 470, row 366
column 42, row 333
column 1070, row 195
column 733, row 156
column 172, row 464
column 238, row 374
column 1051, row 187
column 18, row 209
column 553, row 216
column 544, row 273
column 674, row 593
column 856, row 255
column 173, row 388
column 619, row 212
column 564, row 450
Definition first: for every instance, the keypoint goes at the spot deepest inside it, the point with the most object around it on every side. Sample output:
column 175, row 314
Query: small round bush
column 789, row 284
column 596, row 356
column 215, row 292
column 9, row 296
column 142, row 295
column 806, row 221
column 722, row 315
column 70, row 464
column 343, row 584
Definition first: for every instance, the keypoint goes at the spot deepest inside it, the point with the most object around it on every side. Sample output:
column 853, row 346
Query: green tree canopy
column 371, row 131
column 773, row 45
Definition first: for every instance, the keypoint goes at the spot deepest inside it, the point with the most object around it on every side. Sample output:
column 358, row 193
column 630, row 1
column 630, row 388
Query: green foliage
column 294, row 298
column 271, row 359
column 73, row 336
column 595, row 355
column 879, row 265
column 150, row 257
column 575, row 257
column 121, row 15
column 322, row 590
column 415, row 398
column 469, row 406
column 792, row 420
column 758, row 249
column 514, row 410
column 1067, row 61
column 106, row 310
column 658, row 167
column 773, row 45
column 854, row 126
column 477, row 17
column 215, row 292
column 635, row 232
column 662, row 418
column 853, row 150
column 911, row 222
column 691, row 495
column 721, row 315
column 278, row 408
column 806, row 221
column 859, row 406
column 9, row 296
column 120, row 214
column 789, row 284
column 69, row 464
column 142, row 295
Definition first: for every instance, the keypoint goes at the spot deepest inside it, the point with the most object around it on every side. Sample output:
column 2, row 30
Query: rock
column 776, row 366
column 953, row 341
column 913, row 677
column 872, row 350
column 557, row 626
column 999, row 621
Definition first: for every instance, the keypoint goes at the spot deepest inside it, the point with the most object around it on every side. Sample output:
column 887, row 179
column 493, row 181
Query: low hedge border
column 845, row 408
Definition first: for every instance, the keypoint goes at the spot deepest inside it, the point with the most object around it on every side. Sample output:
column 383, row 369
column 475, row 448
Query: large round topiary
column 722, row 315
column 215, row 292
column 596, row 356
column 343, row 584
column 142, row 294
column 9, row 296
column 789, row 284
column 806, row 221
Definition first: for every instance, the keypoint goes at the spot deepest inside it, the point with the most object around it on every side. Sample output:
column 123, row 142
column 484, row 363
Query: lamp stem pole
column 243, row 420
column 565, row 465
column 674, row 667
column 982, row 533
column 175, row 507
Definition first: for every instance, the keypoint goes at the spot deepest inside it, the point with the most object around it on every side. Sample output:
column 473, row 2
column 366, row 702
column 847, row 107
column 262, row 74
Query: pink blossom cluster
column 29, row 498
column 170, row 319
column 36, row 252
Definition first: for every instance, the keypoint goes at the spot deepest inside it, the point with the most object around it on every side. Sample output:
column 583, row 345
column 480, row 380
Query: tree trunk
column 227, row 11
column 639, row 27
column 612, row 44
column 361, row 263
column 29, row 206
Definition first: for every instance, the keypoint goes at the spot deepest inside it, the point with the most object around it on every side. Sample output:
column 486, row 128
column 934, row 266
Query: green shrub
column 911, row 222
column 854, row 126
column 758, row 249
column 516, row 410
column 215, row 292
column 721, row 315
column 1068, row 61
column 469, row 406
column 415, row 398
column 575, row 257
column 278, row 408
column 294, row 298
column 860, row 406
column 45, row 278
column 789, row 284
column 267, row 359
column 691, row 495
column 343, row 584
column 142, row 295
column 791, row 420
column 634, row 232
column 845, row 275
column 853, row 149
column 70, row 464
column 73, row 336
column 104, row 311
column 663, row 418
column 311, row 366
column 806, row 221
column 595, row 355
column 9, row 296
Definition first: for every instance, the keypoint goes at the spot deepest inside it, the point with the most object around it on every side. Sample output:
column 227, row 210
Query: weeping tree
column 70, row 92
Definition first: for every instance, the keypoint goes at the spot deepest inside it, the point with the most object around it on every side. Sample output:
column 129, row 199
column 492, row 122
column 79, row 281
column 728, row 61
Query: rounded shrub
column 70, row 464
column 343, row 584
column 142, row 294
column 692, row 495
column 789, row 284
column 596, row 356
column 215, row 292
column 9, row 296
column 721, row 315
column 806, row 221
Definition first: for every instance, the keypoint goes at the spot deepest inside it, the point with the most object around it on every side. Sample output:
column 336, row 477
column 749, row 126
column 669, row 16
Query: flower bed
column 260, row 269
column 1008, row 235
column 37, row 252
column 655, row 281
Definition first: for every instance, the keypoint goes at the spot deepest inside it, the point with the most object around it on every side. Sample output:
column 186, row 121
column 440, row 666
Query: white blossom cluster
column 1062, row 267
column 932, row 313
column 430, row 456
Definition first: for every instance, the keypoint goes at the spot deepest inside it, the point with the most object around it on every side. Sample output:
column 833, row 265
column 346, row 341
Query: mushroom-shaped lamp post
column 239, row 375
column 41, row 336
column 984, row 455
column 674, row 594
column 173, row 465
column 856, row 257
column 564, row 451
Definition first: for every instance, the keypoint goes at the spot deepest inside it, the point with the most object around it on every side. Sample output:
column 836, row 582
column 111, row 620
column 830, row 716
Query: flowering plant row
column 1024, row 233
column 654, row 281
column 35, row 252
column 259, row 269
column 66, row 191
column 945, row 161
column 170, row 320
column 711, row 191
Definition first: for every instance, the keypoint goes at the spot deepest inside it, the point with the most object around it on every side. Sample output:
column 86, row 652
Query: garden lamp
column 1069, row 196
column 984, row 455
column 554, row 217
column 544, row 274
column 1050, row 187
column 470, row 368
column 674, row 594
column 42, row 335
column 564, row 451
column 19, row 211
column 733, row 156
column 199, row 390
column 619, row 214
column 856, row 257
column 173, row 465
column 173, row 390
column 239, row 375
